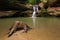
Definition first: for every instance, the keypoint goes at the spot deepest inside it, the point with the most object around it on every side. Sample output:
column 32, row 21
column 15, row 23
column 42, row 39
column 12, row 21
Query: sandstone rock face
column 6, row 13
column 53, row 3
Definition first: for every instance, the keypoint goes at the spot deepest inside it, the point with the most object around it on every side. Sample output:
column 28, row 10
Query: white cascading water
column 35, row 10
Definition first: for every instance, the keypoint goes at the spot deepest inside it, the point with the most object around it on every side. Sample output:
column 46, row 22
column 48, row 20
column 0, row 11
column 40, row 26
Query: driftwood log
column 18, row 26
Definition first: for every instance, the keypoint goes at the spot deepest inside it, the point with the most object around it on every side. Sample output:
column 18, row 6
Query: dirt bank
column 36, row 34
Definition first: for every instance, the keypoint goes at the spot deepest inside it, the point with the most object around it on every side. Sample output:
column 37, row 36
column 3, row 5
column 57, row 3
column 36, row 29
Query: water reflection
column 34, row 22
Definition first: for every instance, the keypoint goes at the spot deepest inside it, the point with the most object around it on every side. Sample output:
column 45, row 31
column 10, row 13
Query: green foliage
column 33, row 1
column 45, row 1
column 30, row 1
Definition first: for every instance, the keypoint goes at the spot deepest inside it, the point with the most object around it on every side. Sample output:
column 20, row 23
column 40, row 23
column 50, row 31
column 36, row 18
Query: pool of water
column 46, row 28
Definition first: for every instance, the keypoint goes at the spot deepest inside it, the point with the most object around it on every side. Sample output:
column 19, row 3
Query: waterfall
column 35, row 10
